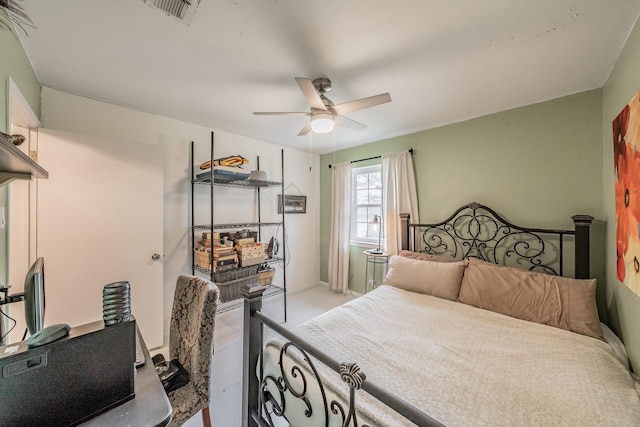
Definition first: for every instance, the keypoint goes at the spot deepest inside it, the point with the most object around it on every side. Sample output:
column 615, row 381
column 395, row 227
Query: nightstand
column 375, row 261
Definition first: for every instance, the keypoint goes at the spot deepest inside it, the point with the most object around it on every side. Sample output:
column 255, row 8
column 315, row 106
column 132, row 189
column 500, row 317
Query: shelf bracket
column 7, row 177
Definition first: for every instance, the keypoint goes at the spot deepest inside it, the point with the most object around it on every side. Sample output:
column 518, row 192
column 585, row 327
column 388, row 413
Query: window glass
column 366, row 204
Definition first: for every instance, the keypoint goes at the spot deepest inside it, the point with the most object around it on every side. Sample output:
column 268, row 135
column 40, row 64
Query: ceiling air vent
column 182, row 10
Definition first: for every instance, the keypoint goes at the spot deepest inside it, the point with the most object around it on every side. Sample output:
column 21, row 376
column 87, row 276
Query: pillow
column 551, row 300
column 426, row 277
column 427, row 257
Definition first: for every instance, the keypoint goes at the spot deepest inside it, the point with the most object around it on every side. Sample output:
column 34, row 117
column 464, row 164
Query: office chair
column 191, row 341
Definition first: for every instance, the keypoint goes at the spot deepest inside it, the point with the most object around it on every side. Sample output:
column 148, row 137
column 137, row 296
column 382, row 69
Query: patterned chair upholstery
column 191, row 341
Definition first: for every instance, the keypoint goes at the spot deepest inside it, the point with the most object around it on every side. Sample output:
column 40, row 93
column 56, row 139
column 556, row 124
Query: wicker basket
column 266, row 277
column 233, row 274
column 230, row 290
column 226, row 267
column 203, row 259
column 245, row 262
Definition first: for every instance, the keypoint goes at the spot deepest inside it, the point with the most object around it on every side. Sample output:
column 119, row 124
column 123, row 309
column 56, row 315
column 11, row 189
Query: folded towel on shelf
column 224, row 172
column 237, row 169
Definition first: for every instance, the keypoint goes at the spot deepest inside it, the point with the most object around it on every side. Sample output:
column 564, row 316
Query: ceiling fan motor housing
column 322, row 85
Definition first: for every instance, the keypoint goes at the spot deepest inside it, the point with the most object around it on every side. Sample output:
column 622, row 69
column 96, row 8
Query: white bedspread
column 470, row 367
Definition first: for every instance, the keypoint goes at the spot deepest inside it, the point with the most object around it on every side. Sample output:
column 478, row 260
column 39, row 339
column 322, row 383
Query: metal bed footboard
column 257, row 404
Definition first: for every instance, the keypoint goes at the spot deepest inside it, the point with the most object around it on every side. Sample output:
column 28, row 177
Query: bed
column 475, row 324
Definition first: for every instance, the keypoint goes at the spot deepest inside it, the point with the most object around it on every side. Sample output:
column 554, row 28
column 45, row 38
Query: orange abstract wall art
column 626, row 157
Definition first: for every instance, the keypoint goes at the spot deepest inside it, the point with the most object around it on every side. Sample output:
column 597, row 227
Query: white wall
column 66, row 112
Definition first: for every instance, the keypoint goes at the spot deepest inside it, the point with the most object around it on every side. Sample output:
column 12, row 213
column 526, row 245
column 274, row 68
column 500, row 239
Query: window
column 366, row 203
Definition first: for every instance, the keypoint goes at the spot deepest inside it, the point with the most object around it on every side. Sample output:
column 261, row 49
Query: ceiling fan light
column 322, row 122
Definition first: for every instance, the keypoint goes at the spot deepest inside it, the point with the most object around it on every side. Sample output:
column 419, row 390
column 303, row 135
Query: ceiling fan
column 323, row 113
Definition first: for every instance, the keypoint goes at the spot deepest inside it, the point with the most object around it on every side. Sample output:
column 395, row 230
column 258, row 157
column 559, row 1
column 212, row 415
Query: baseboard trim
column 326, row 285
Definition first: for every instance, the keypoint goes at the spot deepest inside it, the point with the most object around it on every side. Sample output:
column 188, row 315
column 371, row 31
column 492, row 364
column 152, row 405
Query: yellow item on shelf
column 232, row 161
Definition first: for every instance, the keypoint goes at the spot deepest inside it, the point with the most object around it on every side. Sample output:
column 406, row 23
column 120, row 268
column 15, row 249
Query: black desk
column 69, row 379
column 150, row 407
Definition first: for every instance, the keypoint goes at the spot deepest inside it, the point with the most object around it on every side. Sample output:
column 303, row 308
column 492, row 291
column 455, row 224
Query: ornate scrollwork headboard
column 474, row 230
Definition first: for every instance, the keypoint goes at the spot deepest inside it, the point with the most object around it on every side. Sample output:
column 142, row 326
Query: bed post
column 404, row 230
column 252, row 346
column 582, row 224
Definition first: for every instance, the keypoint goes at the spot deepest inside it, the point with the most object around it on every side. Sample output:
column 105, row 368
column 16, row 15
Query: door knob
column 155, row 257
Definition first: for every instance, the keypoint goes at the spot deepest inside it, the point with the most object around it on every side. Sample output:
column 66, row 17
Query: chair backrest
column 192, row 325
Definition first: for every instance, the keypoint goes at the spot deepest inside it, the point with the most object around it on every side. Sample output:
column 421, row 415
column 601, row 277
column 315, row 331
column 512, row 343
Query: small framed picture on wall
column 292, row 204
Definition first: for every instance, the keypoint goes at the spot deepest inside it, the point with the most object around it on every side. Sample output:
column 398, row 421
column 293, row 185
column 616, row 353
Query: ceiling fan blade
column 309, row 91
column 306, row 129
column 347, row 122
column 359, row 104
column 280, row 113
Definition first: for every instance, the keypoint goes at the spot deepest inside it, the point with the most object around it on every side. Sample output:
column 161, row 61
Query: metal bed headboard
column 475, row 230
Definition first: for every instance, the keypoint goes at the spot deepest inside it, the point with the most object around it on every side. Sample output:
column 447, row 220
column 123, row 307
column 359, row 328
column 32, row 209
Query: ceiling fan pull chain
column 310, row 144
column 334, row 146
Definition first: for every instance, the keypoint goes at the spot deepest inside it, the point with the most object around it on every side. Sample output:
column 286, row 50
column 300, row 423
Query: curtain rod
column 374, row 157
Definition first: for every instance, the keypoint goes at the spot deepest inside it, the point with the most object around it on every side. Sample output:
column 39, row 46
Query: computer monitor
column 34, row 297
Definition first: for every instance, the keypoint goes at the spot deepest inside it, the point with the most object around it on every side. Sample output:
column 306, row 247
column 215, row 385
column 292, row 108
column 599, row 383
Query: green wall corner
column 536, row 165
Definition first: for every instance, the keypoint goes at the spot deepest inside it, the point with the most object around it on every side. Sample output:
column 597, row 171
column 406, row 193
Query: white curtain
column 339, row 241
column 399, row 184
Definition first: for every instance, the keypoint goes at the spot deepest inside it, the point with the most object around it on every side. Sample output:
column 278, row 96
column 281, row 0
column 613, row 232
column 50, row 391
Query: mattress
column 462, row 365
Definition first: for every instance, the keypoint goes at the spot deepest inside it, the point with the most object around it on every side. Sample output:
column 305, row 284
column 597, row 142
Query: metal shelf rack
column 256, row 185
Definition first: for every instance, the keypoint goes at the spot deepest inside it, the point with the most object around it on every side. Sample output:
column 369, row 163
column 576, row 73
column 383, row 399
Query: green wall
column 623, row 305
column 14, row 63
column 537, row 165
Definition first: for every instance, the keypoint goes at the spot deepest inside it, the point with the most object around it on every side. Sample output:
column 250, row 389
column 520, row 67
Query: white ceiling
column 442, row 61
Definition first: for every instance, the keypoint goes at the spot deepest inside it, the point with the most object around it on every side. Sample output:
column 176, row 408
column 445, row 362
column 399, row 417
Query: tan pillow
column 551, row 300
column 426, row 277
column 427, row 257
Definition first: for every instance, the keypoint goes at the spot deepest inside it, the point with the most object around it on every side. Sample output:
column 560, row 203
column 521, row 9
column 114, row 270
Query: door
column 20, row 213
column 21, row 232
column 100, row 220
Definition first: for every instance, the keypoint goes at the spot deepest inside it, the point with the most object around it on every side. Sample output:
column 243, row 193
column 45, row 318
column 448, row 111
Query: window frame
column 355, row 240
